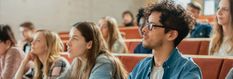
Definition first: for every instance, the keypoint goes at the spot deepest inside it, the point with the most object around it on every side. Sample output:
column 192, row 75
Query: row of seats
column 194, row 46
column 212, row 67
column 190, row 46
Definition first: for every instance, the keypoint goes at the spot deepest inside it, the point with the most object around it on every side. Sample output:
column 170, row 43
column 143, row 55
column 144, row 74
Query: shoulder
column 14, row 51
column 60, row 62
column 189, row 64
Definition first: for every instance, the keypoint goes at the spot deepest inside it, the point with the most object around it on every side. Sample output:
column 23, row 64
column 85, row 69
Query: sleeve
column 102, row 71
column 191, row 72
column 230, row 74
column 12, row 62
column 59, row 68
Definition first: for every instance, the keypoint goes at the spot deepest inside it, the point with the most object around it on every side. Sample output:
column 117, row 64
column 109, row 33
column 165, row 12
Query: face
column 4, row 46
column 194, row 12
column 223, row 13
column 127, row 18
column 104, row 28
column 153, row 38
column 77, row 46
column 39, row 44
column 27, row 33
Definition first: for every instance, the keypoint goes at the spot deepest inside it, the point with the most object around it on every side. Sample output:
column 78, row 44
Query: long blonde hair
column 218, row 36
column 114, row 33
column 92, row 33
column 55, row 47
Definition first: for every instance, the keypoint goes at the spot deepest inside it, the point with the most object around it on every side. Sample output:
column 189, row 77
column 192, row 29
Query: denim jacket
column 201, row 30
column 176, row 67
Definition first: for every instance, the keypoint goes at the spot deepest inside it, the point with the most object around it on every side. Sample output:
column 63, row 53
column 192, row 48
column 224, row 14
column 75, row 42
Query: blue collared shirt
column 176, row 67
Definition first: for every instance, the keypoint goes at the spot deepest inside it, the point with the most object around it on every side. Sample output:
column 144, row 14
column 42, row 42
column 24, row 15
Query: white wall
column 59, row 15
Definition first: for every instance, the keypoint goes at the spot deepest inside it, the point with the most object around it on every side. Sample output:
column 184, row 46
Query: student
column 45, row 54
column 168, row 24
column 200, row 29
column 27, row 29
column 112, row 35
column 92, row 60
column 222, row 40
column 128, row 19
column 10, row 55
column 141, row 20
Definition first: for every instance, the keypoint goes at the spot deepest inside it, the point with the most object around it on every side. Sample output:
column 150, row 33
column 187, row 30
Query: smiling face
column 77, row 46
column 223, row 13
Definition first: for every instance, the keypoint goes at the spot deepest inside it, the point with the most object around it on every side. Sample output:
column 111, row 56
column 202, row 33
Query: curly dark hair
column 140, row 15
column 173, row 17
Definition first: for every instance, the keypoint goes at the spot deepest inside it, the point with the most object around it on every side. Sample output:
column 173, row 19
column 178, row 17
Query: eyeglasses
column 151, row 25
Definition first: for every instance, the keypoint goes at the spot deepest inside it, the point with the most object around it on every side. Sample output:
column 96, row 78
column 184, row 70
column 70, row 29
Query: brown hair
column 217, row 38
column 92, row 33
column 114, row 33
column 7, row 34
column 28, row 25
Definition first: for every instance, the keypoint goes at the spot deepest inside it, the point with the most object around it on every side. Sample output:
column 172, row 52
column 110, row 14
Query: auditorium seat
column 190, row 47
column 210, row 66
column 204, row 47
column 130, row 32
column 130, row 60
column 132, row 44
column 227, row 65
column 194, row 46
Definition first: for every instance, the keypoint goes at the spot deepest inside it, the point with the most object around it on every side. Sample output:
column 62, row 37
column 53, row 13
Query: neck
column 227, row 30
column 42, row 58
column 161, row 54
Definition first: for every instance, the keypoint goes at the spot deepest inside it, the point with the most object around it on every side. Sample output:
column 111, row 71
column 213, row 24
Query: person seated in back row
column 10, row 55
column 141, row 20
column 200, row 29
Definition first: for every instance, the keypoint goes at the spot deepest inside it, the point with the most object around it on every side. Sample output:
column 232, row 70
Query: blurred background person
column 112, row 36
column 200, row 29
column 10, row 55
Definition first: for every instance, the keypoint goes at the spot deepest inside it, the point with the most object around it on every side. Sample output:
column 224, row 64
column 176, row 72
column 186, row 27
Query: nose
column 144, row 29
column 219, row 12
column 68, row 43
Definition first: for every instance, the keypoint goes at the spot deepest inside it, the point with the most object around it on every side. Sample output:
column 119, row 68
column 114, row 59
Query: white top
column 157, row 73
column 224, row 49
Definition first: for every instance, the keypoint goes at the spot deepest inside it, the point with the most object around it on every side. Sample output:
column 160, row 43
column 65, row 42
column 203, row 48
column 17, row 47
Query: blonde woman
column 91, row 58
column 45, row 54
column 112, row 36
column 222, row 41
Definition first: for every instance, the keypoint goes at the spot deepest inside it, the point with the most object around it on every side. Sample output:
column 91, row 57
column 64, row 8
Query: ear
column 172, row 35
column 8, row 43
column 89, row 45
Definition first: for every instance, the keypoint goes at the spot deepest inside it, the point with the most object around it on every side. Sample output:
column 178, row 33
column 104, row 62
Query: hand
column 29, row 57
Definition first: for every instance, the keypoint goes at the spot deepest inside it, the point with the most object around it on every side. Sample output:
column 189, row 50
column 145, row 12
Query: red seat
column 204, row 47
column 227, row 65
column 190, row 47
column 132, row 44
column 210, row 67
column 130, row 61
column 131, row 32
